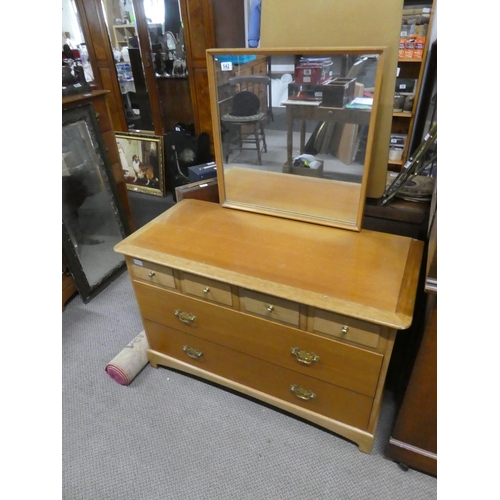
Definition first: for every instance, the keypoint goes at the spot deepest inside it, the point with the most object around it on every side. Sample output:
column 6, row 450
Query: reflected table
column 312, row 110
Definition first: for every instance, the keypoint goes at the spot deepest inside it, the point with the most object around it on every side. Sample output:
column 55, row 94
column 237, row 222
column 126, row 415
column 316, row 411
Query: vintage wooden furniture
column 413, row 441
column 297, row 315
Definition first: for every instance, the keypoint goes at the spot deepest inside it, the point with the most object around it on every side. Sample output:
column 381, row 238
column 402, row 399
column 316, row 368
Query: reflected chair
column 243, row 126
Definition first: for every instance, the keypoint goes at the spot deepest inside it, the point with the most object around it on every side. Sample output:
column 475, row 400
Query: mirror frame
column 86, row 290
column 355, row 225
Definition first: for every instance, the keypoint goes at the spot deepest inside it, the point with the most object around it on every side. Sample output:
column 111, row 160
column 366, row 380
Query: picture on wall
column 141, row 157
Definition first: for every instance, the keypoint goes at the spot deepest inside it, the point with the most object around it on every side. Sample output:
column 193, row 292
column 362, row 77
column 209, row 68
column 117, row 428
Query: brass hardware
column 206, row 289
column 345, row 329
column 192, row 352
column 151, row 274
column 302, row 393
column 185, row 317
column 304, row 357
column 270, row 308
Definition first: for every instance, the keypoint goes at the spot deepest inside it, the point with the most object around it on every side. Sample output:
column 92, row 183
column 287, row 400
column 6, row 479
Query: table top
column 367, row 275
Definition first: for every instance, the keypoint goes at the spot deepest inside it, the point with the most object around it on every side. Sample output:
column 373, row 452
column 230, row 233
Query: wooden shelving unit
column 122, row 33
column 403, row 122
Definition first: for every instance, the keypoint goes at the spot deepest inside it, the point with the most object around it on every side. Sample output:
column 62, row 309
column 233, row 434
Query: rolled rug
column 127, row 364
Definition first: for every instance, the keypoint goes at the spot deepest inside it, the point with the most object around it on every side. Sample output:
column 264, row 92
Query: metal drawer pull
column 151, row 274
column 345, row 329
column 270, row 308
column 192, row 352
column 185, row 317
column 206, row 289
column 304, row 357
column 302, row 393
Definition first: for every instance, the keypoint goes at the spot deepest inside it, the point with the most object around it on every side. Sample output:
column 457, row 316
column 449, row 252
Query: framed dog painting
column 141, row 157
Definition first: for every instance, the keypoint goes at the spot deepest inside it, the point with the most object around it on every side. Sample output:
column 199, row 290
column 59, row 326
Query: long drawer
column 340, row 364
column 287, row 385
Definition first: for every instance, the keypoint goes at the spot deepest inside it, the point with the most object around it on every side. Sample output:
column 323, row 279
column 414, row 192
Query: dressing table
column 295, row 309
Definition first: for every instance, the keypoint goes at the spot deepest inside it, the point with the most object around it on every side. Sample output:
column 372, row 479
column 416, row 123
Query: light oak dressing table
column 280, row 306
column 297, row 315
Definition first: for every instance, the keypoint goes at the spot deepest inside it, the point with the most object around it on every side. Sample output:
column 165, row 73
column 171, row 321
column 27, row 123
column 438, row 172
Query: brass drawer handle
column 302, row 393
column 192, row 352
column 206, row 289
column 345, row 329
column 185, row 317
column 304, row 357
column 151, row 274
column 270, row 308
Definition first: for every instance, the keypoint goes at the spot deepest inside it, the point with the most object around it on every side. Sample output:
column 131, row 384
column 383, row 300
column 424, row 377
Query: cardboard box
column 339, row 92
column 309, row 172
column 202, row 172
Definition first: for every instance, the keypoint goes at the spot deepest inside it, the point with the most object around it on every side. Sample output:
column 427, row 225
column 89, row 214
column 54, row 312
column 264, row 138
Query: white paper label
column 138, row 262
column 226, row 66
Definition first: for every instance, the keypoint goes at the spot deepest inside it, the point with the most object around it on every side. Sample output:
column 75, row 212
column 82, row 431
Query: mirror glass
column 92, row 217
column 293, row 130
column 166, row 40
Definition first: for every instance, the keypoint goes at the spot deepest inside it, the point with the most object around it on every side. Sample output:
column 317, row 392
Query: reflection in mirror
column 123, row 36
column 93, row 221
column 166, row 39
column 72, row 37
column 295, row 130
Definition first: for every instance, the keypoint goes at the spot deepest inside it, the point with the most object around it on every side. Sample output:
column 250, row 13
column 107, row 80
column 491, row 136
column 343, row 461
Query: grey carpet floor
column 168, row 436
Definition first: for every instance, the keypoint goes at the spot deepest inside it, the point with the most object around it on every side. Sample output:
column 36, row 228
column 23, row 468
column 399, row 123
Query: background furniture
column 411, row 68
column 305, row 327
column 413, row 439
column 247, row 126
column 98, row 99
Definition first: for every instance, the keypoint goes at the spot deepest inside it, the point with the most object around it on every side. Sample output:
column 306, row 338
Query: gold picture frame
column 142, row 160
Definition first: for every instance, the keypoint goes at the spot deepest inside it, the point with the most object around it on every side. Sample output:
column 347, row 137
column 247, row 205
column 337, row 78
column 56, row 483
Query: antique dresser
column 276, row 292
column 297, row 315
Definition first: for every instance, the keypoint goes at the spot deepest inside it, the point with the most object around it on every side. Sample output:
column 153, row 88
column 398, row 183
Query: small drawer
column 269, row 307
column 345, row 328
column 152, row 273
column 207, row 289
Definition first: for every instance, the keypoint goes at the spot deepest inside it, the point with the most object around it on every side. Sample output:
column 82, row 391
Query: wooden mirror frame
column 303, row 191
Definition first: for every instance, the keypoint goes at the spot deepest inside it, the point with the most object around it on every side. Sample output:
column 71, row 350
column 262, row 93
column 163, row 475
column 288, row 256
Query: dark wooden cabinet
column 413, row 440
column 206, row 27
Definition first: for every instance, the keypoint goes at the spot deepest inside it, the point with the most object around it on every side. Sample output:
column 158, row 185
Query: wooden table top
column 368, row 275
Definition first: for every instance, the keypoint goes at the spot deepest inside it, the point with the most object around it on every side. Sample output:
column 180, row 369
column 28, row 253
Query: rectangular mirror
column 93, row 219
column 293, row 130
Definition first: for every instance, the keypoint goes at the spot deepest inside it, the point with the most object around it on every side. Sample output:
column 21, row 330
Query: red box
column 314, row 72
column 308, row 75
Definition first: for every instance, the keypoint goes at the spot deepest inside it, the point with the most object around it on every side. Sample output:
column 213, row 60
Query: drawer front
column 269, row 307
column 334, row 362
column 152, row 273
column 346, row 328
column 320, row 397
column 207, row 289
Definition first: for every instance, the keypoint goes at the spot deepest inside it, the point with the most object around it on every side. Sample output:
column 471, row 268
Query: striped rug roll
column 127, row 364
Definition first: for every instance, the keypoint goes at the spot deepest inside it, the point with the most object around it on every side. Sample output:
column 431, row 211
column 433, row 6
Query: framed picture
column 93, row 218
column 141, row 157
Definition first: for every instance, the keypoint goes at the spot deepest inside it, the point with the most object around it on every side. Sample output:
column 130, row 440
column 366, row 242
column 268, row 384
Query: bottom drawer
column 328, row 400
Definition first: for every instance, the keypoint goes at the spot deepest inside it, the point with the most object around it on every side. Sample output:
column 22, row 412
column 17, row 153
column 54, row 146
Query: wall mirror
column 293, row 130
column 165, row 56
column 93, row 219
